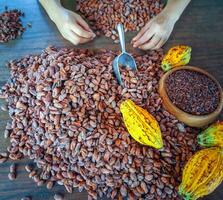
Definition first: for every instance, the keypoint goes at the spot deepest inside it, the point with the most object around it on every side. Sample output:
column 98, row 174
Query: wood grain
column 201, row 26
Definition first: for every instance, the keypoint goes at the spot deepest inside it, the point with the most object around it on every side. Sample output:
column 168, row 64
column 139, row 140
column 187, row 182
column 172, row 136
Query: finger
column 83, row 24
column 80, row 39
column 143, row 30
column 160, row 44
column 76, row 28
column 144, row 38
column 74, row 38
column 151, row 44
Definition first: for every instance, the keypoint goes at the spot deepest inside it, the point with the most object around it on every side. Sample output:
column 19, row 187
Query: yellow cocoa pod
column 141, row 125
column 212, row 136
column 202, row 173
column 175, row 57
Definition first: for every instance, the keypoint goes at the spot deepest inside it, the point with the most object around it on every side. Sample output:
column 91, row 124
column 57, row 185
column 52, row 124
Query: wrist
column 170, row 15
column 52, row 7
column 175, row 8
column 57, row 13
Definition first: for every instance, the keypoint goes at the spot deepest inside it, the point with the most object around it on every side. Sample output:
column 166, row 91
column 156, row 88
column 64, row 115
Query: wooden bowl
column 189, row 119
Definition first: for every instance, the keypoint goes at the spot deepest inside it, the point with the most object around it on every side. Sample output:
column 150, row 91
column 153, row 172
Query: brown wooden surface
column 201, row 27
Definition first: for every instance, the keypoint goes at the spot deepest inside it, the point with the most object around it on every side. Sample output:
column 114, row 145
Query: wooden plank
column 201, row 27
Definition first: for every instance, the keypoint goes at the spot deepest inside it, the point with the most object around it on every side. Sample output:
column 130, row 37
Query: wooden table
column 201, row 27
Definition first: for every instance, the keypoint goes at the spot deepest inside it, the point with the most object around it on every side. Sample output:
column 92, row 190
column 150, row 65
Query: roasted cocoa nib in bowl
column 193, row 92
column 193, row 120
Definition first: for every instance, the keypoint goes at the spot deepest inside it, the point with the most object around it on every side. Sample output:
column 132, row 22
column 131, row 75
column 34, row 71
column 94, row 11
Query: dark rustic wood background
column 201, row 27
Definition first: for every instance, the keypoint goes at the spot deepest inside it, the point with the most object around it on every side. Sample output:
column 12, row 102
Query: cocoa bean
column 28, row 168
column 49, row 185
column 11, row 26
column 12, row 168
column 58, row 197
column 40, row 183
column 3, row 159
column 68, row 122
column 12, row 176
column 26, row 198
column 105, row 15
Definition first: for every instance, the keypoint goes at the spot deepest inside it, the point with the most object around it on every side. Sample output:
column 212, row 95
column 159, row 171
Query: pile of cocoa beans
column 64, row 106
column 104, row 15
column 10, row 25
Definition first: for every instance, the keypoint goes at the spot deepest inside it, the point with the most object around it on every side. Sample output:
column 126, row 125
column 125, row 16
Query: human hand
column 72, row 27
column 155, row 33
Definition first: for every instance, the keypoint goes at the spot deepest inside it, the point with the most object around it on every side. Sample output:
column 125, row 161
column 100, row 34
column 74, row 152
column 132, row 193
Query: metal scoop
column 124, row 59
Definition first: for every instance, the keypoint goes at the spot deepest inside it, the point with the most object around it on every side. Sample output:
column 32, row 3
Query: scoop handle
column 121, row 36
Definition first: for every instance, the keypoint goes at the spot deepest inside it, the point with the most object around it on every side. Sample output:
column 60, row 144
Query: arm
column 176, row 7
column 157, row 31
column 70, row 24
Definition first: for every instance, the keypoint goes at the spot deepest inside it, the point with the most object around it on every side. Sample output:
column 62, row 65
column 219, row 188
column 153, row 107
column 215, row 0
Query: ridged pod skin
column 141, row 125
column 202, row 173
column 175, row 57
column 212, row 136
